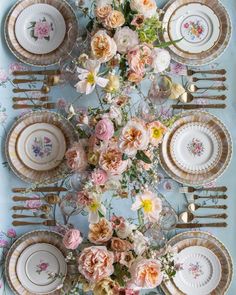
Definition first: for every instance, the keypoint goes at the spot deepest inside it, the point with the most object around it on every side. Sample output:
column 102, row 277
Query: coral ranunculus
column 96, row 263
column 146, row 273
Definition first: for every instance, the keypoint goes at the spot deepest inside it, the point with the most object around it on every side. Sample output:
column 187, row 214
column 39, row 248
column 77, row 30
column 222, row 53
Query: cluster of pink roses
column 115, row 244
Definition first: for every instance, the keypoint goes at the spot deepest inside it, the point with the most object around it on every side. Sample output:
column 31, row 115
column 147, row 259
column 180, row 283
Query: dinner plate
column 19, row 130
column 203, row 239
column 40, row 28
column 54, row 45
column 35, row 266
column 203, row 30
column 200, row 271
column 203, row 177
column 19, row 246
column 41, row 146
column 195, row 147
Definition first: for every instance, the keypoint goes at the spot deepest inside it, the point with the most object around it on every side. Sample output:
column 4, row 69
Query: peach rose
column 120, row 245
column 134, row 137
column 103, row 46
column 76, row 158
column 135, row 77
column 72, row 239
column 101, row 232
column 111, row 161
column 114, row 20
column 106, row 287
column 146, row 273
column 103, row 12
column 139, row 57
column 96, row 263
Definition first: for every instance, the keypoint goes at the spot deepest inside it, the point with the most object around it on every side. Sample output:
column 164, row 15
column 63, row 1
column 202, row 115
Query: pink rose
column 104, row 129
column 99, row 177
column 83, row 198
column 76, row 158
column 42, row 29
column 120, row 245
column 96, row 263
column 11, row 233
column 146, row 273
column 72, row 239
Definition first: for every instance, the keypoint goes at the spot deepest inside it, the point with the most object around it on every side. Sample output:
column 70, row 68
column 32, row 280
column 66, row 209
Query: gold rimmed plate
column 55, row 38
column 203, row 239
column 33, row 239
column 197, row 178
column 204, row 30
column 36, row 145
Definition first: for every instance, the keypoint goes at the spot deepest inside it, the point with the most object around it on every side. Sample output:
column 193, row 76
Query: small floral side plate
column 40, row 268
column 40, row 28
column 200, row 271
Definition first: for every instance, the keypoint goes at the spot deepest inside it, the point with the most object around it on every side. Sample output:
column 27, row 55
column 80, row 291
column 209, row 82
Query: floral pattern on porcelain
column 42, row 267
column 194, row 29
column 195, row 147
column 41, row 29
column 195, row 270
column 42, row 147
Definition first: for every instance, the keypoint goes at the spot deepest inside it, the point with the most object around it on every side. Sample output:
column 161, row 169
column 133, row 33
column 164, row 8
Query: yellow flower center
column 91, row 78
column 147, row 206
column 94, row 206
column 156, row 132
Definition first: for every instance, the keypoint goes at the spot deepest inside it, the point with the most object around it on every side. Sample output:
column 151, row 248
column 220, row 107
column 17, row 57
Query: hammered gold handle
column 44, row 72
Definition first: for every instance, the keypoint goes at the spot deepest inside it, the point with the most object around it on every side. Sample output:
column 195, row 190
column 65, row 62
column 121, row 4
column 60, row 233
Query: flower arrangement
column 124, row 48
column 117, row 259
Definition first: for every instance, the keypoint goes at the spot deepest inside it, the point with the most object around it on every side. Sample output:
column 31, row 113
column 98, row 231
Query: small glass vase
column 160, row 89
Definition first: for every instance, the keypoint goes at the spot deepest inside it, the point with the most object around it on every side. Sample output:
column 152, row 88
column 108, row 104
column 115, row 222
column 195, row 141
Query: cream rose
column 96, row 263
column 106, row 287
column 114, row 20
column 103, row 12
column 101, row 232
column 146, row 7
column 160, row 60
column 103, row 46
column 125, row 39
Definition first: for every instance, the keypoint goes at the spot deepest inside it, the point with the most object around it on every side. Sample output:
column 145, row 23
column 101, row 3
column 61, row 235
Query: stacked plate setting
column 203, row 32
column 36, row 145
column 35, row 263
column 197, row 149
column 205, row 265
column 41, row 32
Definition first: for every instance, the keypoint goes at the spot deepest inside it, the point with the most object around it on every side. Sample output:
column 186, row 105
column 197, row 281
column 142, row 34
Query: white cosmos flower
column 89, row 77
column 94, row 208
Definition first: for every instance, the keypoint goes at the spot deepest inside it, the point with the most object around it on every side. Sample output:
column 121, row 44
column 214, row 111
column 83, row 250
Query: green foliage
column 121, row 274
column 143, row 157
column 148, row 32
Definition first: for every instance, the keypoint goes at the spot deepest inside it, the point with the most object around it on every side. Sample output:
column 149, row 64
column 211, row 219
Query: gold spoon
column 43, row 216
column 49, row 198
column 50, row 80
column 44, row 208
column 193, row 207
column 194, row 88
column 188, row 216
column 45, row 89
column 45, row 223
column 188, row 97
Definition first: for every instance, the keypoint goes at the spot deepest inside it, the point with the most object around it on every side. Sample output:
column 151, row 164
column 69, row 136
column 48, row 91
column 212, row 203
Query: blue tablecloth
column 170, row 189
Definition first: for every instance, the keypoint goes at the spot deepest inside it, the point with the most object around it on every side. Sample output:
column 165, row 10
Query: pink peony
column 42, row 29
column 72, row 239
column 99, row 177
column 146, row 274
column 76, row 158
column 104, row 129
column 11, row 233
column 96, row 263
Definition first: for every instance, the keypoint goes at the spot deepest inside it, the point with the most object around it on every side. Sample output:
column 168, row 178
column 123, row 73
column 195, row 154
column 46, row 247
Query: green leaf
column 124, row 157
column 167, row 44
column 143, row 157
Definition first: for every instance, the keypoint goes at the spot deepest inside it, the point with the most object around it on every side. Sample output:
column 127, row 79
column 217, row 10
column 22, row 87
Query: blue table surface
column 228, row 116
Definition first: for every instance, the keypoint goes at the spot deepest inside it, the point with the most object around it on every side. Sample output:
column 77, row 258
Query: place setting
column 115, row 176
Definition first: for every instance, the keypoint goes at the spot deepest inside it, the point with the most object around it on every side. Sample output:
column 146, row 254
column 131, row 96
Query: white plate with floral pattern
column 41, row 146
column 197, row 25
column 40, row 28
column 195, row 147
column 40, row 268
column 200, row 271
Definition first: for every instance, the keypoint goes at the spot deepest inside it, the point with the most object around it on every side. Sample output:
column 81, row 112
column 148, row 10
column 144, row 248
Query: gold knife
column 47, row 189
column 198, row 106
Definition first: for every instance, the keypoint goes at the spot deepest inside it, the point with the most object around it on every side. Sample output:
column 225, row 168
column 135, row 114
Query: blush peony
column 96, row 263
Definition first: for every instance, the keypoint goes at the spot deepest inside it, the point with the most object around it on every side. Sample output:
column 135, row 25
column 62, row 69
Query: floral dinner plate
column 40, row 268
column 200, row 271
column 40, row 28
